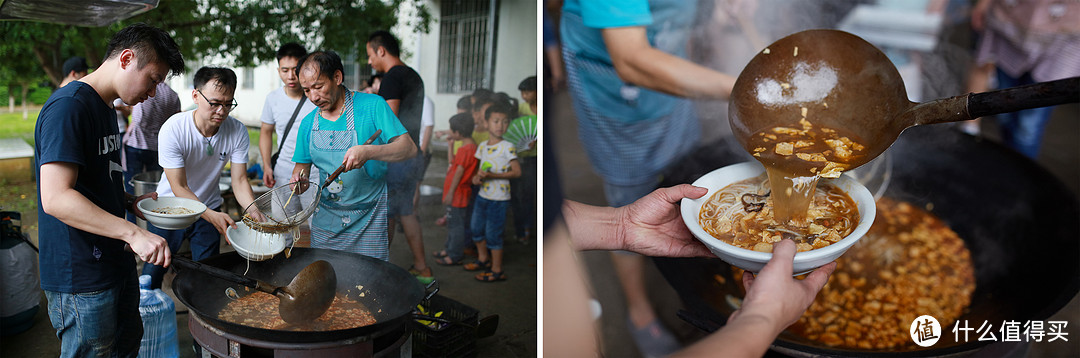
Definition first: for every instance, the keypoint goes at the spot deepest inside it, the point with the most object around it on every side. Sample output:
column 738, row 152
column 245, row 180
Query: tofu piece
column 806, row 125
column 832, row 236
column 852, row 144
column 763, row 247
column 814, row 157
column 816, row 229
column 786, row 130
column 785, row 148
column 832, row 170
column 842, row 150
column 803, row 143
column 759, row 149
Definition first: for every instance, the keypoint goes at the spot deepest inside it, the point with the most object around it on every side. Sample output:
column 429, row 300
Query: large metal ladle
column 845, row 82
column 307, row 296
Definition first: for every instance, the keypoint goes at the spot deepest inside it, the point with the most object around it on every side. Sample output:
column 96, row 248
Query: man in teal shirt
column 352, row 209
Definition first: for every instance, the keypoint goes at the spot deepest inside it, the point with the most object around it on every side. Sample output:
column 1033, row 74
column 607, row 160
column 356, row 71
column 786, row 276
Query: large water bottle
column 159, row 322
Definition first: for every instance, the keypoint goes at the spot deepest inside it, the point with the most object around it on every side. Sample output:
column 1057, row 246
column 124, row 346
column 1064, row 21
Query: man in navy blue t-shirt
column 88, row 277
column 403, row 90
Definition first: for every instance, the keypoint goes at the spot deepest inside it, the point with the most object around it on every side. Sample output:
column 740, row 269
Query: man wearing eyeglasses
column 193, row 147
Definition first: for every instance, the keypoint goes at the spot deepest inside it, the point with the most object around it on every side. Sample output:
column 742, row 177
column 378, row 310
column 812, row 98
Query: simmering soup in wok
column 260, row 310
column 909, row 264
column 743, row 214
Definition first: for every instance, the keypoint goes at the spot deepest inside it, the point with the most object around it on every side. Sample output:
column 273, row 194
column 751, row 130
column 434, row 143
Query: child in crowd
column 464, row 105
column 498, row 164
column 528, row 93
column 457, row 190
column 481, row 100
column 523, row 189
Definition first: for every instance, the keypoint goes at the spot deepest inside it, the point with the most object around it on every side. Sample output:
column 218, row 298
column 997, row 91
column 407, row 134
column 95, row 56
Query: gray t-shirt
column 277, row 110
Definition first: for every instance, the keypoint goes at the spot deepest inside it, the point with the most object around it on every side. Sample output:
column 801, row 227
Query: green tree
column 245, row 32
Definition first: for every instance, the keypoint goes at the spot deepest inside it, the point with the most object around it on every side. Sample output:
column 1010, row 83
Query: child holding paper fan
column 522, row 132
column 499, row 163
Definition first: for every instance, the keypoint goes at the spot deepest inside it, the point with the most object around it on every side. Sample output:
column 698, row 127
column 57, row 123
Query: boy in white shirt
column 193, row 147
column 498, row 164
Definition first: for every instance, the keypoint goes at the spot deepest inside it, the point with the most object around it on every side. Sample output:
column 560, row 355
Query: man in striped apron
column 351, row 214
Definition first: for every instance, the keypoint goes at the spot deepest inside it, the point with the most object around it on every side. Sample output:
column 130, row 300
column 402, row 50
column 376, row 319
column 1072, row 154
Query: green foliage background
column 246, row 32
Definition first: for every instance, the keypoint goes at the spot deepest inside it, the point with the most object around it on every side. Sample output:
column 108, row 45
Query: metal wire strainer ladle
column 280, row 210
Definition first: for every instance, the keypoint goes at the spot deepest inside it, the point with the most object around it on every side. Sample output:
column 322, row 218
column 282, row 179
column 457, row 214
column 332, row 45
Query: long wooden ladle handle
column 975, row 105
column 340, row 169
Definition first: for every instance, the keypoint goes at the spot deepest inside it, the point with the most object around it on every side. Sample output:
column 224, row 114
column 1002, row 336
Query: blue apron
column 351, row 215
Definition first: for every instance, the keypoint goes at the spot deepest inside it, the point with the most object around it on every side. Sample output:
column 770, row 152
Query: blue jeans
column 1022, row 130
column 488, row 220
column 205, row 241
column 456, row 237
column 102, row 323
column 401, row 180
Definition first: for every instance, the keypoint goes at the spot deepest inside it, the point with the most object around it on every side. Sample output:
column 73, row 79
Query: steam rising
column 808, row 84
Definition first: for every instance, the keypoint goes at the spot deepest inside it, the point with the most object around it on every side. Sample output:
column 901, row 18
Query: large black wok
column 388, row 291
column 1019, row 222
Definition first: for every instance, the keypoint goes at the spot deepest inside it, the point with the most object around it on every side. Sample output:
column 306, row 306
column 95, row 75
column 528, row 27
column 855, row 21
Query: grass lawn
column 12, row 125
column 22, row 196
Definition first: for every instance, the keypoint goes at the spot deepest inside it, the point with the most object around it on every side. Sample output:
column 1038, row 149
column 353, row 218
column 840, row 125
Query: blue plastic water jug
column 159, row 322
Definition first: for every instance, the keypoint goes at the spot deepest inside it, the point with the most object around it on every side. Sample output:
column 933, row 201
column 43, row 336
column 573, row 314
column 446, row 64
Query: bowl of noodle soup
column 751, row 260
column 170, row 212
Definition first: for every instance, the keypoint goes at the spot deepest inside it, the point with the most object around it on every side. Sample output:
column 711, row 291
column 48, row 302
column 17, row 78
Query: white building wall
column 516, row 46
column 250, row 100
column 515, row 55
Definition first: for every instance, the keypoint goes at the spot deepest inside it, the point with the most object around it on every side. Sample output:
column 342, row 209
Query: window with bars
column 466, row 45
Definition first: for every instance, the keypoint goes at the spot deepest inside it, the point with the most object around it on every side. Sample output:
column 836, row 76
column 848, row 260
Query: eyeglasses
column 215, row 106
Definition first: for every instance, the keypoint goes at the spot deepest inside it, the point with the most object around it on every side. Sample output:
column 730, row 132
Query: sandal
column 420, row 275
column 439, row 254
column 447, row 261
column 491, row 276
column 478, row 265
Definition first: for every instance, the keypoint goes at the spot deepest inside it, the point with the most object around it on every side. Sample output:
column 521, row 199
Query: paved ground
column 513, row 300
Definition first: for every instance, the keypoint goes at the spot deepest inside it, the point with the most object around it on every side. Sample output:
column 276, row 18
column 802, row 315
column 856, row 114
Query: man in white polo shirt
column 193, row 147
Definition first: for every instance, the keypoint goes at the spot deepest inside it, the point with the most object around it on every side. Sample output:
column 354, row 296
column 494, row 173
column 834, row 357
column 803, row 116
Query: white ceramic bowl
column 171, row 221
column 753, row 261
column 254, row 245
